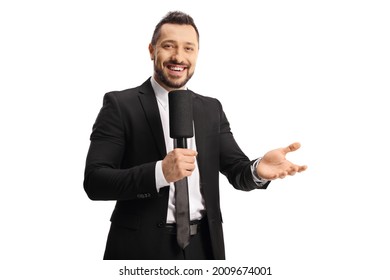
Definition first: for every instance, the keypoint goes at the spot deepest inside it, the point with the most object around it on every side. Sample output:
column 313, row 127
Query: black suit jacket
column 127, row 141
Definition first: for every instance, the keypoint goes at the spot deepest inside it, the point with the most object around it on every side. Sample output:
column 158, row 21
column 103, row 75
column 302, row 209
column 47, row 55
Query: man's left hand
column 274, row 164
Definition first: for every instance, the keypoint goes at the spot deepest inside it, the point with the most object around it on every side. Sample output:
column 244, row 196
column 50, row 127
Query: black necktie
column 182, row 208
column 182, row 213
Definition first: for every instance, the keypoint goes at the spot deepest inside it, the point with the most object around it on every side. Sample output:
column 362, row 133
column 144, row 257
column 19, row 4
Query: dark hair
column 174, row 18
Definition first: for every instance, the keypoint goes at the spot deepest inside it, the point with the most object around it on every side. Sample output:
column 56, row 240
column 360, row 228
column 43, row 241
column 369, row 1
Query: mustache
column 176, row 63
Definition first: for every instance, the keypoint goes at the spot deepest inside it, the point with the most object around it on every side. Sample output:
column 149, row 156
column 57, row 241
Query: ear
column 151, row 51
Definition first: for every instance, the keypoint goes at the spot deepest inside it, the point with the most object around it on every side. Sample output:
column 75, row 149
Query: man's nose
column 178, row 55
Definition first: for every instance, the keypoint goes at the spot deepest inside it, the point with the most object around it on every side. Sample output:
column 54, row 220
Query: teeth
column 176, row 68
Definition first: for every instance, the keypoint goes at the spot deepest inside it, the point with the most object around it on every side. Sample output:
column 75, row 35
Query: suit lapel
column 199, row 131
column 150, row 107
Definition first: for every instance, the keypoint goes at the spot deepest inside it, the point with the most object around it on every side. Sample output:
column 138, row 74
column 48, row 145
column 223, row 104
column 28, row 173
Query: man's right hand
column 178, row 164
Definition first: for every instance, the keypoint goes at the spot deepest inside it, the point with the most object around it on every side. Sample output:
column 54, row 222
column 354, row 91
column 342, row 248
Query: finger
column 186, row 165
column 283, row 175
column 302, row 168
column 182, row 155
column 186, row 152
column 291, row 148
column 292, row 171
column 187, row 159
column 182, row 174
column 189, row 167
column 183, row 168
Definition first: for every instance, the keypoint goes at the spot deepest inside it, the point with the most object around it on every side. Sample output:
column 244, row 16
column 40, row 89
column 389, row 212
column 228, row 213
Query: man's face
column 174, row 55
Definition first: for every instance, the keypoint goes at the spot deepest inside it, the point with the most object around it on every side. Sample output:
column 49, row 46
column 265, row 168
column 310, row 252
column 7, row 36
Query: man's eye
column 167, row 46
column 189, row 49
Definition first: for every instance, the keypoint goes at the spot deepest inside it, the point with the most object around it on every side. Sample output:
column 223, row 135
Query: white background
column 310, row 71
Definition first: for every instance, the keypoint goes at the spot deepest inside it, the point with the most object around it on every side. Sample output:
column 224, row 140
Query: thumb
column 292, row 147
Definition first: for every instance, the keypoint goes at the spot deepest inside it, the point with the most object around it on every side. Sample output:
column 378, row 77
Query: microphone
column 180, row 117
column 181, row 128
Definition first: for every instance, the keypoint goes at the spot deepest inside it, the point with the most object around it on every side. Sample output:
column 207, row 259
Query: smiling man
column 132, row 158
column 174, row 49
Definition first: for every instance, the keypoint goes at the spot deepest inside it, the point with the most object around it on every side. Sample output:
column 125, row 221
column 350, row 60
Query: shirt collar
column 161, row 93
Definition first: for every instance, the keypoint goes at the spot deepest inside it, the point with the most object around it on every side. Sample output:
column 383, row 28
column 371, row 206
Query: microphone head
column 180, row 114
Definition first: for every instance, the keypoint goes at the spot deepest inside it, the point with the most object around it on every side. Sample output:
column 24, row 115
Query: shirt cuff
column 260, row 182
column 160, row 179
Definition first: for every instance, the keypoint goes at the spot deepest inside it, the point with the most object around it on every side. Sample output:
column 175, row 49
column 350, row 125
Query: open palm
column 274, row 164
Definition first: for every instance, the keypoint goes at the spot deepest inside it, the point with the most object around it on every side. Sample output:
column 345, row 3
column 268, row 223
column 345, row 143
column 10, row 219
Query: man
column 132, row 159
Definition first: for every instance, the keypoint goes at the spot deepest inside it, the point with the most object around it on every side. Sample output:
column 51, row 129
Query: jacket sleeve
column 234, row 164
column 104, row 178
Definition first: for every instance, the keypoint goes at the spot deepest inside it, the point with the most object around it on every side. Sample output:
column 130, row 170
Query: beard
column 169, row 83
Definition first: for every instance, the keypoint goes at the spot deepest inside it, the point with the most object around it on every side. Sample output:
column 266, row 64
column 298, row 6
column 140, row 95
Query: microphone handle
column 181, row 143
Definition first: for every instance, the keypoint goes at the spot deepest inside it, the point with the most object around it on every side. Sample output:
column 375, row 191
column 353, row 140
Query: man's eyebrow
column 175, row 42
column 168, row 41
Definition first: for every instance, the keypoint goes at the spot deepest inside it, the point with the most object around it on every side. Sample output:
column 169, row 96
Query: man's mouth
column 176, row 68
